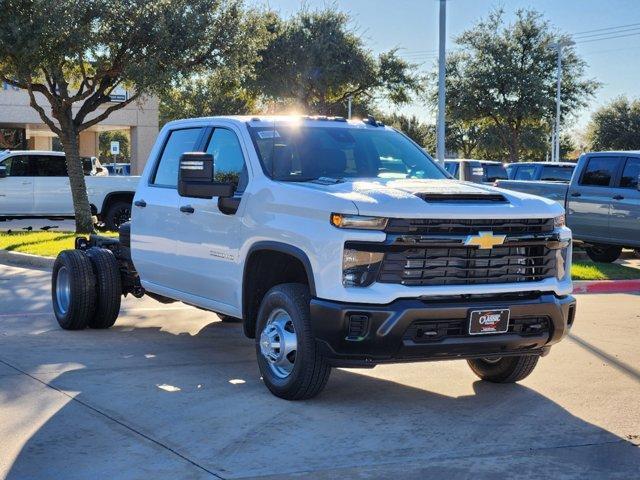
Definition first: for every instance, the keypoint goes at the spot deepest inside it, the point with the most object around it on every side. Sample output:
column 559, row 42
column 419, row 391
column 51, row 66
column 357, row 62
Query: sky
column 412, row 26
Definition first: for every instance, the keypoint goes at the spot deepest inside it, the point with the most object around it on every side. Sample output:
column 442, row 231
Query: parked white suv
column 35, row 184
column 337, row 244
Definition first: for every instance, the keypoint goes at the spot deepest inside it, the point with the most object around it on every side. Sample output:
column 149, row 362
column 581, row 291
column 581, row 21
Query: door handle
column 618, row 197
column 26, row 183
column 187, row 209
column 575, row 194
column 140, row 203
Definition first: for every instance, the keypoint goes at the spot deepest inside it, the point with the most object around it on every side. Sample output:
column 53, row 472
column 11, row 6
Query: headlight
column 360, row 268
column 358, row 221
column 559, row 221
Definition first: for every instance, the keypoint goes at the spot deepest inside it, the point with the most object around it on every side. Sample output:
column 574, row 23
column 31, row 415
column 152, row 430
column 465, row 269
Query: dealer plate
column 482, row 322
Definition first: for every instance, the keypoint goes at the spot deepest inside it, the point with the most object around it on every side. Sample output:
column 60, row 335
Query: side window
column 630, row 174
column 525, row 172
column 494, row 172
column 600, row 171
column 18, row 166
column 228, row 160
column 49, row 166
column 179, row 142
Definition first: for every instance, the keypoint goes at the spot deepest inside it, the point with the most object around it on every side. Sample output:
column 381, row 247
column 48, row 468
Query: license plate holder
column 487, row 322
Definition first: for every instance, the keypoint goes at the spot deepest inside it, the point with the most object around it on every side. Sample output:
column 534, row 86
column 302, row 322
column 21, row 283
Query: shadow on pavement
column 145, row 403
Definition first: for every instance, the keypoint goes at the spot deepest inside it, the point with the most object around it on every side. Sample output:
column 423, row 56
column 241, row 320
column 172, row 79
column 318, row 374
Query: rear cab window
column 494, row 172
column 630, row 174
column 526, row 172
column 556, row 173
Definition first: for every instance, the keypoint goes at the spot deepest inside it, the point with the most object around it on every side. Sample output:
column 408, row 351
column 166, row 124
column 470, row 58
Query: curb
column 18, row 259
column 606, row 286
column 580, row 286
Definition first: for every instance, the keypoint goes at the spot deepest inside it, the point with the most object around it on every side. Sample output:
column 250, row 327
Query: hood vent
column 462, row 197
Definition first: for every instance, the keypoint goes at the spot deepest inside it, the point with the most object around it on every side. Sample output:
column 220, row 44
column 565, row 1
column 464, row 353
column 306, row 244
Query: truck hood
column 413, row 198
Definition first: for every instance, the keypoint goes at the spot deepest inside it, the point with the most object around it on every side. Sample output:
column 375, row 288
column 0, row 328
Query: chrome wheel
column 63, row 290
column 279, row 343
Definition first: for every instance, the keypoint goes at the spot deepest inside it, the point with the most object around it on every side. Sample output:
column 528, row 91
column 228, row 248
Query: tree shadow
column 139, row 401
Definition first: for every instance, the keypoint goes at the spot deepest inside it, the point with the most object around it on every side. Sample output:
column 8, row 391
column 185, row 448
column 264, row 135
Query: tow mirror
column 3, row 171
column 195, row 177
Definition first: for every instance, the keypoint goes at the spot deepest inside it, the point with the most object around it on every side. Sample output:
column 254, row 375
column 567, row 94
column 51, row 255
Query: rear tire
column 289, row 358
column 73, row 290
column 505, row 369
column 604, row 253
column 118, row 214
column 108, row 287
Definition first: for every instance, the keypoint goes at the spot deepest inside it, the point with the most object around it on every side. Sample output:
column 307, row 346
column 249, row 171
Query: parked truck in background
column 541, row 171
column 337, row 244
column 477, row 171
column 602, row 202
column 35, row 184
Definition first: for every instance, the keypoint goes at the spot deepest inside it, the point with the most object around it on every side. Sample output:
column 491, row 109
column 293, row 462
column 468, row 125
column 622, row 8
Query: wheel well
column 264, row 269
column 113, row 197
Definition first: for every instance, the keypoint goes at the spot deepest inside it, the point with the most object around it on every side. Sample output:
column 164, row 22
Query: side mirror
column 3, row 171
column 195, row 177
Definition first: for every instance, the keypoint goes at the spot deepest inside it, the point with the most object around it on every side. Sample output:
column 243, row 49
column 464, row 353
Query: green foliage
column 74, row 54
column 315, row 61
column 420, row 132
column 505, row 76
column 615, row 126
column 105, row 139
column 222, row 92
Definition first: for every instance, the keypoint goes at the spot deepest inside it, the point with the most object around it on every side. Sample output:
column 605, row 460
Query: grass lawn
column 49, row 244
column 46, row 244
column 603, row 271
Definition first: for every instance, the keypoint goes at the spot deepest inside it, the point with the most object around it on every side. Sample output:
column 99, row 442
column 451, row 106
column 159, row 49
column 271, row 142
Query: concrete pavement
column 171, row 392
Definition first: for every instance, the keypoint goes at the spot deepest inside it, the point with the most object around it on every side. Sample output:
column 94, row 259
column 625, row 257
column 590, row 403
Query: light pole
column 440, row 149
column 555, row 148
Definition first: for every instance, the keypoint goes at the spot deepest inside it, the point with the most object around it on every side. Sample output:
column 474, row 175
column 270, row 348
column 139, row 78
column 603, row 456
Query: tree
column 420, row 132
column 104, row 144
column 222, row 92
column 615, row 126
column 506, row 75
column 72, row 55
column 315, row 62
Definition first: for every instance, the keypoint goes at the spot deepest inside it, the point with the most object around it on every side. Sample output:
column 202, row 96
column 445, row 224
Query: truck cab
column 336, row 243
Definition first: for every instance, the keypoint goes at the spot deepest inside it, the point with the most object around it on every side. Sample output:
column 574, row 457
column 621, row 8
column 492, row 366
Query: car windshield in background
column 494, row 172
column 300, row 153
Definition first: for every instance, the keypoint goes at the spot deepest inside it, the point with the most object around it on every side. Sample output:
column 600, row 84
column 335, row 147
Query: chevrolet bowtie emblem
column 484, row 240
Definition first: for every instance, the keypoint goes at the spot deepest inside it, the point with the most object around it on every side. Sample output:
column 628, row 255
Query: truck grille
column 429, row 226
column 468, row 265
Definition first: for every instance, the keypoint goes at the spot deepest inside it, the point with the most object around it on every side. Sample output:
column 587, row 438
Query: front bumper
column 363, row 335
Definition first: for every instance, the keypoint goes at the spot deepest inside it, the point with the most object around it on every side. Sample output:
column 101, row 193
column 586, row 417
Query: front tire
column 289, row 359
column 604, row 253
column 73, row 290
column 503, row 369
column 108, row 285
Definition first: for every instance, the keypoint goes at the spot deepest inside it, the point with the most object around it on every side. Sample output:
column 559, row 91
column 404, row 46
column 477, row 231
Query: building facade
column 22, row 127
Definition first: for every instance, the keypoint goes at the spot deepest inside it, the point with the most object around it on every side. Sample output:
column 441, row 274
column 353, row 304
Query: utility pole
column 555, row 148
column 350, row 100
column 441, row 79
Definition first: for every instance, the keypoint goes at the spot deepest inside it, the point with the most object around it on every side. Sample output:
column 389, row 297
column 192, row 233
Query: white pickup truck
column 35, row 184
column 337, row 244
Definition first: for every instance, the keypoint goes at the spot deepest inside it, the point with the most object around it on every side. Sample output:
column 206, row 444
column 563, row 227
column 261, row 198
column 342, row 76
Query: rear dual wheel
column 86, row 289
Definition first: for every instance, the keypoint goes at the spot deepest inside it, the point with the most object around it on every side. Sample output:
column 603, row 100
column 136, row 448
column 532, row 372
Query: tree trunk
column 514, row 146
column 81, row 207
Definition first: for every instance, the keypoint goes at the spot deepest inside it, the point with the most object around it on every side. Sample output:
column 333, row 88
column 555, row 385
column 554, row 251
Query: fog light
column 360, row 268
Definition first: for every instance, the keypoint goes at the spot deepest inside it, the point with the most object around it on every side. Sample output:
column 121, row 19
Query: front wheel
column 603, row 253
column 118, row 214
column 289, row 359
column 503, row 369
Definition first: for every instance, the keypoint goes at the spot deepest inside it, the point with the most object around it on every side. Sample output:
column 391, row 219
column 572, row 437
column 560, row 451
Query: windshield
column 301, row 153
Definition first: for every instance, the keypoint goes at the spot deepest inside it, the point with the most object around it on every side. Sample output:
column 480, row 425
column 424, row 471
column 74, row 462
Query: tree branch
column 42, row 113
column 108, row 111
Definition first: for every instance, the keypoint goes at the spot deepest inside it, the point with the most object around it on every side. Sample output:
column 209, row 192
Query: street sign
column 115, row 148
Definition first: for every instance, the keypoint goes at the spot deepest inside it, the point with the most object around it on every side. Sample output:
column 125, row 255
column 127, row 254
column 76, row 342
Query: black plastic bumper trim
column 385, row 340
